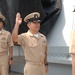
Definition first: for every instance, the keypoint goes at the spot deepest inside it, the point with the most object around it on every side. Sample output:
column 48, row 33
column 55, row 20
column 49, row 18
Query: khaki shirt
column 5, row 41
column 34, row 48
column 72, row 42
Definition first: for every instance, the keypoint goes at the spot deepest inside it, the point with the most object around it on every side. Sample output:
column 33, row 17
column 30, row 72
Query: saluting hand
column 18, row 19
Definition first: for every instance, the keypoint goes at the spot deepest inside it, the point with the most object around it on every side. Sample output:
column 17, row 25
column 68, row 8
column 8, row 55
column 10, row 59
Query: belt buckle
column 41, row 63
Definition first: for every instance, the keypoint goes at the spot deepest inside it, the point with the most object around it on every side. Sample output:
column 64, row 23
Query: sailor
column 33, row 43
column 6, row 54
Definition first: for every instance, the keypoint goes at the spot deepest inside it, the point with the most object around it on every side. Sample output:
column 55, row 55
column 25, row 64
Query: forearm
column 10, row 53
column 10, row 62
column 46, row 63
column 15, row 30
column 45, row 60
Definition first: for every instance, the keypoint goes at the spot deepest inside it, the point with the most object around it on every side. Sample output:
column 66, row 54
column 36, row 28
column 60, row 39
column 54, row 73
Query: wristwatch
column 46, row 64
column 11, row 58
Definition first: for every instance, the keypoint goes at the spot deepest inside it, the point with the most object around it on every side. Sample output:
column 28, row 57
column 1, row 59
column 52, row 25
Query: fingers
column 18, row 16
column 18, row 19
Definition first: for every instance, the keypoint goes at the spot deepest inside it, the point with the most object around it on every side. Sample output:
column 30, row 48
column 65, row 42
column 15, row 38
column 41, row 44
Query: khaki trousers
column 33, row 68
column 4, row 64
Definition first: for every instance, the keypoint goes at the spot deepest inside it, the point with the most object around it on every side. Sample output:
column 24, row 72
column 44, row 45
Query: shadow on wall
column 55, row 37
column 49, row 10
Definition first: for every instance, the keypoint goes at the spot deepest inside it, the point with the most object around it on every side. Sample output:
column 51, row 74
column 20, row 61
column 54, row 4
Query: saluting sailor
column 34, row 44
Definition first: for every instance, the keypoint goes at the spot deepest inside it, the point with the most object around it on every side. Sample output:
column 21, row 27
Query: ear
column 28, row 25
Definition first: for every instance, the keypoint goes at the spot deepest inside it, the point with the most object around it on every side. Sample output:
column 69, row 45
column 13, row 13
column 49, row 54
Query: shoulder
column 23, row 35
column 42, row 35
column 6, row 32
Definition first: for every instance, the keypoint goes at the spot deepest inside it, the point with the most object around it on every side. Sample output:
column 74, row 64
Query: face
column 1, row 25
column 34, row 26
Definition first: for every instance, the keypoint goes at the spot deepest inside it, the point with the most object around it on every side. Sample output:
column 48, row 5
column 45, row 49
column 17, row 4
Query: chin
column 36, row 29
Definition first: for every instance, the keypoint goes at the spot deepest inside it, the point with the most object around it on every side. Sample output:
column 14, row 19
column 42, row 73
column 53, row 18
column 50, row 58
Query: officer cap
column 2, row 17
column 32, row 17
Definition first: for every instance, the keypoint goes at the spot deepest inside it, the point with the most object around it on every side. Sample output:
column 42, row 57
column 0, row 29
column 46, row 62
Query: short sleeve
column 46, row 47
column 9, row 42
column 21, row 40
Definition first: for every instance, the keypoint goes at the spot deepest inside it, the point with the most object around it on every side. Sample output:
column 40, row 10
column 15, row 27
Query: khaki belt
column 35, row 62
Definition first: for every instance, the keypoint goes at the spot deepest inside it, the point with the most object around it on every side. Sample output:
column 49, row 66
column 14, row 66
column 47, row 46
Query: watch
column 46, row 64
column 11, row 58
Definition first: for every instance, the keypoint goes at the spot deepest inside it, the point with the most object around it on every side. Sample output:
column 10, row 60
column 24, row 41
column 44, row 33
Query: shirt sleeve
column 46, row 48
column 10, row 42
column 21, row 40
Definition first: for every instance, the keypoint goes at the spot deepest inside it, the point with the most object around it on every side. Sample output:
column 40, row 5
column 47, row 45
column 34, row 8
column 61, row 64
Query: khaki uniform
column 72, row 42
column 34, row 50
column 5, row 43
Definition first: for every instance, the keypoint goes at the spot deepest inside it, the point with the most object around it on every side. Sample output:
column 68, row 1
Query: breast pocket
column 44, row 43
column 3, row 43
column 32, row 45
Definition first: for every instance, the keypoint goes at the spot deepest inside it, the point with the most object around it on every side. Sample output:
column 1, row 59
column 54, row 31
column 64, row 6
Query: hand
column 18, row 19
column 10, row 62
column 46, row 67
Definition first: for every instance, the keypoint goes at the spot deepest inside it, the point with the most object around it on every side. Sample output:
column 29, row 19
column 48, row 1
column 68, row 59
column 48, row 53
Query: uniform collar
column 3, row 31
column 30, row 34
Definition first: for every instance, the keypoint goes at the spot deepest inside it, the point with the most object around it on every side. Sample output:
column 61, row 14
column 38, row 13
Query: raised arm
column 15, row 30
